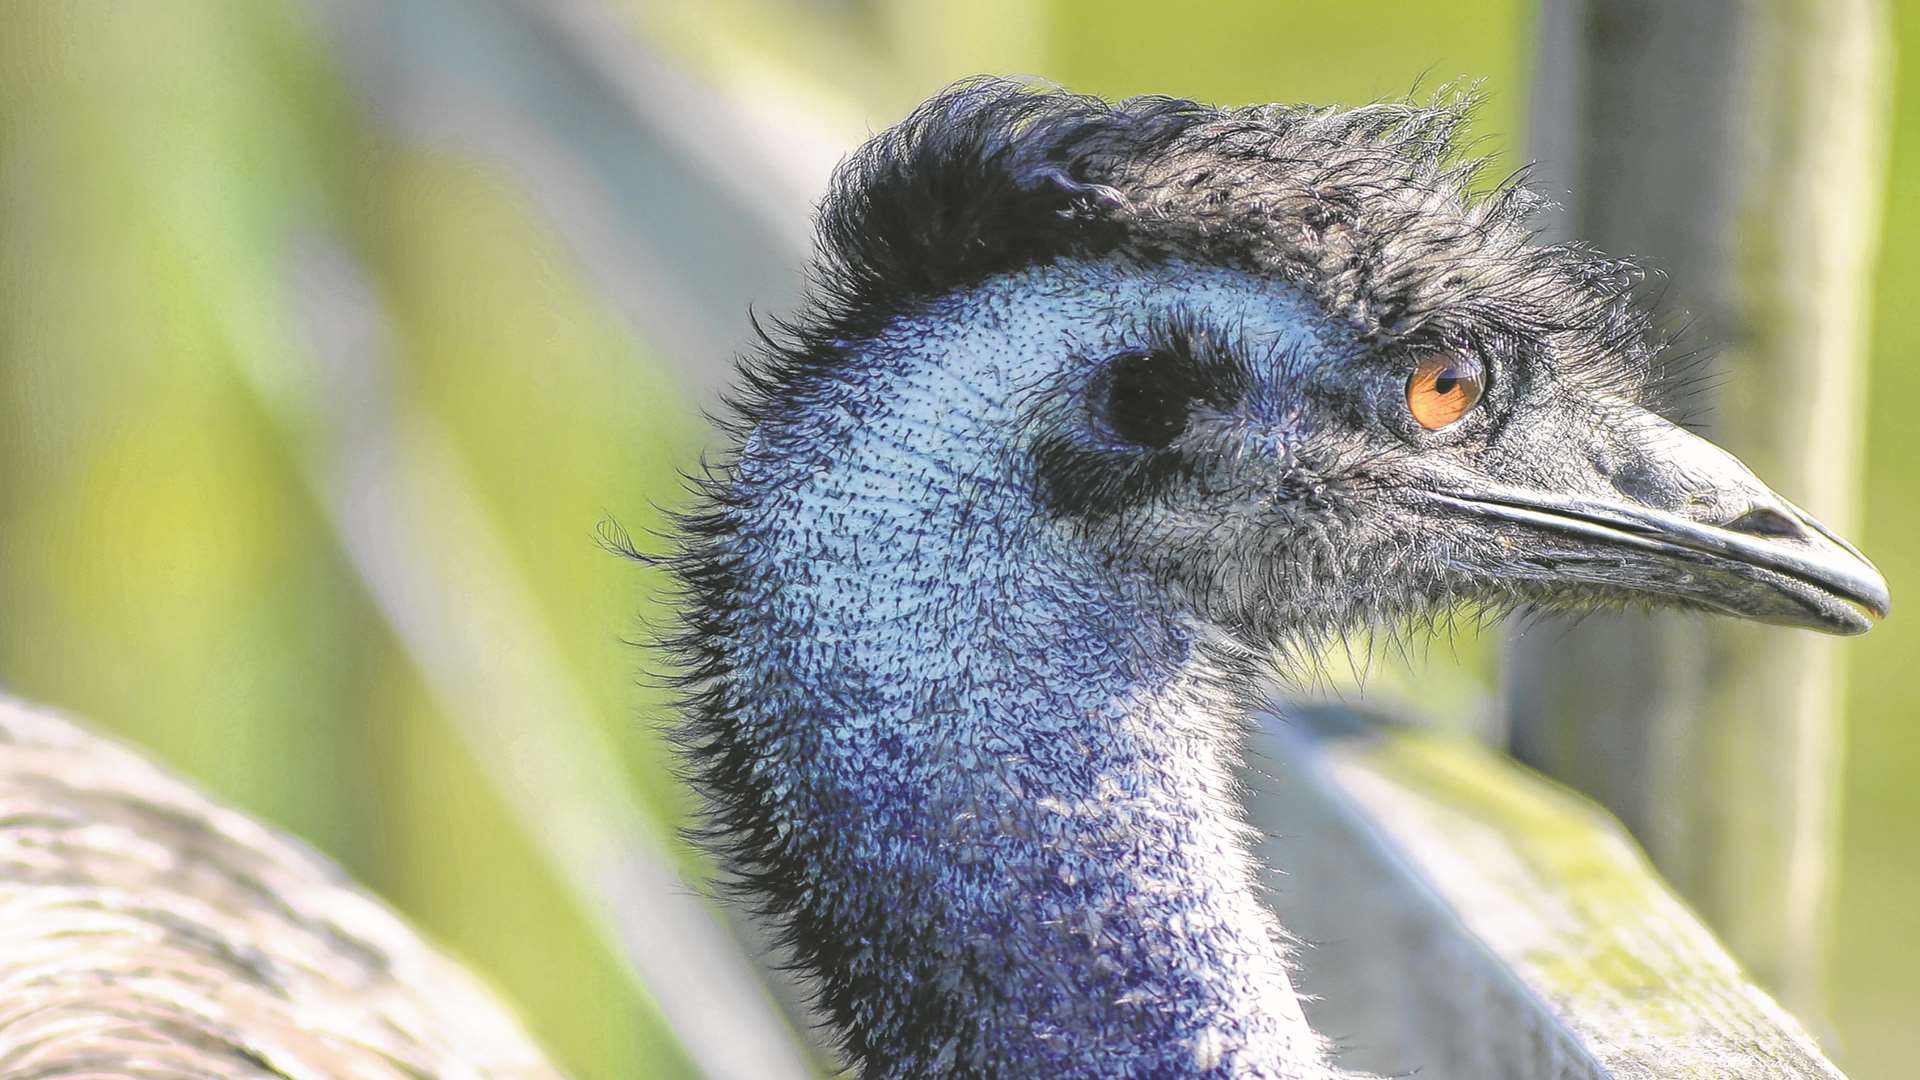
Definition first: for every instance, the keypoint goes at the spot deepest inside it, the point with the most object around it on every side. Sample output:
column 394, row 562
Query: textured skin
column 1007, row 765
column 148, row 932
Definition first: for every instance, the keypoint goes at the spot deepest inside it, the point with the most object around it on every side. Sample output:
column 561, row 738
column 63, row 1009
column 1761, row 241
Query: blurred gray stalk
column 679, row 214
column 1738, row 147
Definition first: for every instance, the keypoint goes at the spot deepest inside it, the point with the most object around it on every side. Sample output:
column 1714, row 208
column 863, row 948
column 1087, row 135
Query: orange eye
column 1444, row 388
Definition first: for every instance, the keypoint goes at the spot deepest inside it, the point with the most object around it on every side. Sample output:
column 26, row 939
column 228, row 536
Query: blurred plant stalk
column 196, row 138
column 1739, row 147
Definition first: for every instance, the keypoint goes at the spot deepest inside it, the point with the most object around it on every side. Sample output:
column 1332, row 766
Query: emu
column 1101, row 419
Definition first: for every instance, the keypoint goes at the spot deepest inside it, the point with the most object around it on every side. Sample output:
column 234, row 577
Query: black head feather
column 1370, row 210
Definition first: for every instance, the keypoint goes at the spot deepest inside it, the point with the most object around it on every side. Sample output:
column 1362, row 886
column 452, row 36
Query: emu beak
column 1656, row 510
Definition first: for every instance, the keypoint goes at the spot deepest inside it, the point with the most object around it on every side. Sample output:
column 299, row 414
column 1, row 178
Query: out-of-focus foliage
column 167, row 175
column 178, row 181
column 1876, row 992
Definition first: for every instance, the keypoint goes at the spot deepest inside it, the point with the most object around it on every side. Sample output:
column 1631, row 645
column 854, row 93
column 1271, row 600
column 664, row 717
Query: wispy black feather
column 1368, row 210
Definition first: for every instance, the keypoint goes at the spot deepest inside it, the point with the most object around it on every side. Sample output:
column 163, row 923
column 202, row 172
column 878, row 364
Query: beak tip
column 1877, row 605
column 1858, row 607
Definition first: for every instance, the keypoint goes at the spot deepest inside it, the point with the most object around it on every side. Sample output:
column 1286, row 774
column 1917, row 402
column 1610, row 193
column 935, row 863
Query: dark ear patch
column 1119, row 445
column 1094, row 483
column 1150, row 397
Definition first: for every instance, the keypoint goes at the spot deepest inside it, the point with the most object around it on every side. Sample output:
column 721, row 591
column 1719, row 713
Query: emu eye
column 1445, row 387
column 1149, row 398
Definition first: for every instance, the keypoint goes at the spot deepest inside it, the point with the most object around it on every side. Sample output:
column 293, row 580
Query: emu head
column 1093, row 408
column 1285, row 366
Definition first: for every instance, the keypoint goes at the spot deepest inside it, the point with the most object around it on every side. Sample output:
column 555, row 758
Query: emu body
column 147, row 932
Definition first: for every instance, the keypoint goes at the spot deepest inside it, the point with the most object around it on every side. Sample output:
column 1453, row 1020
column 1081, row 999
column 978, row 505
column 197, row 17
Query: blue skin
column 981, row 708
column 1007, row 759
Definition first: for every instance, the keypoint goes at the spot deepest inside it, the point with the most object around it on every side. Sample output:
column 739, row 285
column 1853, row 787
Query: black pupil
column 1444, row 383
column 1150, row 398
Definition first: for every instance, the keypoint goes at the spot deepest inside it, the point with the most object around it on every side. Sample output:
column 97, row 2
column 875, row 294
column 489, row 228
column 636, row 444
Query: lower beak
column 1676, row 518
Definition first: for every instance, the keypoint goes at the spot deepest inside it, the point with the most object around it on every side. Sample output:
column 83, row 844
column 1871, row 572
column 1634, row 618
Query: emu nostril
column 1763, row 521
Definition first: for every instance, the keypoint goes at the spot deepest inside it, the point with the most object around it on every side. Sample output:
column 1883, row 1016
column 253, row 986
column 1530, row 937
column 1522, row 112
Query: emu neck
column 991, row 781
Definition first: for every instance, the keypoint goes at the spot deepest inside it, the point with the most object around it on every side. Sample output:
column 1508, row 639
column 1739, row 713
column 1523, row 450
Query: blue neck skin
column 1000, row 773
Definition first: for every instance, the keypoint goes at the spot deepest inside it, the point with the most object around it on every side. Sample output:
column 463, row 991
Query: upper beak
column 1686, row 520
